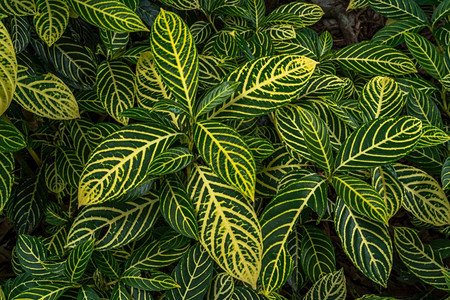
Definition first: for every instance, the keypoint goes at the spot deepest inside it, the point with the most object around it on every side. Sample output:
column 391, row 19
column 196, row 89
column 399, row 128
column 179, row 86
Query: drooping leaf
column 193, row 274
column 367, row 243
column 379, row 142
column 78, row 260
column 226, row 221
column 108, row 14
column 419, row 258
column 52, row 19
column 119, row 163
column 330, row 286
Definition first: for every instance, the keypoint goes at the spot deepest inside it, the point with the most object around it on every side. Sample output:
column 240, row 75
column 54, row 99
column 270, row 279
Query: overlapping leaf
column 441, row 11
column 11, row 138
column 385, row 182
column 330, row 286
column 421, row 106
column 52, row 19
column 120, row 162
column 8, row 69
column 309, row 13
column 432, row 136
column 226, row 221
column 20, row 33
column 47, row 291
column 394, row 34
column 171, row 161
column 222, row 287
column 6, row 177
column 157, row 282
column 399, row 9
column 78, row 260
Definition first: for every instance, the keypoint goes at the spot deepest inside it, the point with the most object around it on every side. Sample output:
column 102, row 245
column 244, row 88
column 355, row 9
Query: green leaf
column 360, row 197
column 120, row 162
column 6, row 178
column 394, row 33
column 317, row 139
column 424, row 197
column 37, row 94
column 52, row 19
column 8, row 71
column 193, row 273
column 69, row 166
column 78, row 130
column 111, row 218
column 108, row 14
column 441, row 11
column 373, row 59
column 379, row 142
column 170, row 161
column 426, row 54
column 330, row 286
column 50, row 291
column 115, row 88
column 158, row 281
column 421, row 106
column 356, row 4
column 176, row 57
column 176, row 207
column 268, row 83
column 18, row 7
column 201, row 31
column 257, row 10
column 317, row 253
column 106, row 263
column 226, row 221
column 31, row 255
column 11, row 138
column 381, row 97
column 20, row 33
column 78, row 260
column 260, row 147
column 227, row 154
column 182, row 4
column 323, row 85
column 87, row 293
column 432, row 136
column 114, row 41
column 222, row 287
column 419, row 258
column 385, row 182
column 309, row 13
column 216, row 96
column 399, row 9
column 120, row 292
column 277, row 220
column 98, row 132
column 366, row 243
column 445, row 174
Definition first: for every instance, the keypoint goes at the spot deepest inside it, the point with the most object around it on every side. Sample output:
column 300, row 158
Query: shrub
column 231, row 158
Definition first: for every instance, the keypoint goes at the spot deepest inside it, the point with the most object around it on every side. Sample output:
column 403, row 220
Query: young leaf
column 379, row 142
column 193, row 273
column 170, row 161
column 360, row 197
column 226, row 220
column 52, row 19
column 366, row 243
column 419, row 258
column 108, row 14
column 374, row 59
column 215, row 97
column 287, row 74
column 119, row 163
column 6, row 178
column 176, row 57
column 11, row 138
column 158, row 281
column 176, row 207
column 138, row 216
column 78, row 260
column 399, row 9
column 8, row 71
column 260, row 148
column 330, row 286
column 227, row 154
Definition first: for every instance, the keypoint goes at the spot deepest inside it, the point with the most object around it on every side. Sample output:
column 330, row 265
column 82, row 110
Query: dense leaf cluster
column 209, row 149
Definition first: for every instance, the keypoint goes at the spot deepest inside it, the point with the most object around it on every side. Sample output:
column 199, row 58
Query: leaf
column 381, row 97
column 46, row 96
column 244, row 293
column 260, row 148
column 115, row 88
column 366, row 243
column 48, row 291
column 158, row 281
column 317, row 139
column 201, row 31
column 432, row 136
column 7, row 165
column 176, row 207
column 226, row 221
column 277, row 221
column 98, row 132
column 257, row 10
column 399, row 9
column 12, row 139
column 355, row 4
column 445, row 174
column 69, row 166
column 20, row 33
column 108, row 14
column 111, row 218
column 78, row 130
column 87, row 293
column 379, row 142
column 323, row 85
column 120, row 292
column 394, row 33
column 317, row 253
column 182, row 4
column 285, row 74
column 106, row 263
column 193, row 273
column 441, row 11
column 421, row 106
column 309, row 13
column 216, row 96
column 424, row 197
column 426, row 54
column 419, row 260
column 227, row 154
column 222, row 287
column 360, row 197
column 385, row 182
column 8, row 70
column 176, row 57
column 18, row 7
column 31, row 255
column 170, row 161
column 114, row 41
column 52, row 19
column 78, row 260
column 330, row 286
column 119, row 163
column 373, row 59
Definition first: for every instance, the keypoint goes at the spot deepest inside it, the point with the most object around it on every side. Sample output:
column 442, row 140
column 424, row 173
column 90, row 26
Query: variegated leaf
column 18, row 7
column 51, row 20
column 6, row 178
column 394, row 33
column 8, row 68
column 12, row 139
column 170, row 161
column 385, row 182
column 330, row 286
column 309, row 13
column 78, row 259
column 222, row 287
column 399, row 9
column 158, row 281
column 432, row 136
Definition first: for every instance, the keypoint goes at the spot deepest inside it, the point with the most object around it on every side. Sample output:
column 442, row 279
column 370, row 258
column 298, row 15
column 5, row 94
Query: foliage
column 209, row 149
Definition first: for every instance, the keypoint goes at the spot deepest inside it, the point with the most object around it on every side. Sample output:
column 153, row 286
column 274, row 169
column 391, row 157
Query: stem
column 35, row 156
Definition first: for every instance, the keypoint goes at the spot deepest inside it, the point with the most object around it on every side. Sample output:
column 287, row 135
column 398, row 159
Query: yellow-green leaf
column 8, row 69
column 51, row 20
